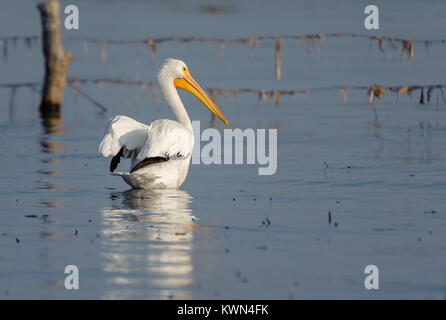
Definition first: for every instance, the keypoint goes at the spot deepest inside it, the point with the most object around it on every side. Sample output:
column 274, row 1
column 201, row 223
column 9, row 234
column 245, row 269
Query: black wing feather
column 149, row 161
column 116, row 159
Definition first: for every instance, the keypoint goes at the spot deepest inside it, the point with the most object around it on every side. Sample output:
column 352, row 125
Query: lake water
column 230, row 233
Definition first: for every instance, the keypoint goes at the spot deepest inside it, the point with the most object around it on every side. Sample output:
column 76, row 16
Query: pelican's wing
column 167, row 139
column 124, row 137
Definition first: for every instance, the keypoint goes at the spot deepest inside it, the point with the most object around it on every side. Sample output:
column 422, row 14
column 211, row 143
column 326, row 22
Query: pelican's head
column 175, row 72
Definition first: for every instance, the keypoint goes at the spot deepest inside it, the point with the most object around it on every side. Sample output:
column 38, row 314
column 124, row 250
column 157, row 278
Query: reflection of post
column 56, row 58
column 50, row 145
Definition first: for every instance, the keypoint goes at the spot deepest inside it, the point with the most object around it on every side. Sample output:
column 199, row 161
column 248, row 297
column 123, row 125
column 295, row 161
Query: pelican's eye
column 185, row 70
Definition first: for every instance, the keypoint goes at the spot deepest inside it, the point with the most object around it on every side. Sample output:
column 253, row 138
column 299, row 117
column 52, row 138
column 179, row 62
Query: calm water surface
column 229, row 233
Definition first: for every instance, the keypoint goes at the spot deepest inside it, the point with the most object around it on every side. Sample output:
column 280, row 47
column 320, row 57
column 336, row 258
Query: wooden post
column 56, row 58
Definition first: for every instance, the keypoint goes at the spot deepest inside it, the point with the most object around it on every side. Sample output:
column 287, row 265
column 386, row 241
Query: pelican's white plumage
column 160, row 152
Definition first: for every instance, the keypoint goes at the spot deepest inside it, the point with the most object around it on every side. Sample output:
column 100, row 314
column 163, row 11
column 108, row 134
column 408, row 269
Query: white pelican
column 161, row 151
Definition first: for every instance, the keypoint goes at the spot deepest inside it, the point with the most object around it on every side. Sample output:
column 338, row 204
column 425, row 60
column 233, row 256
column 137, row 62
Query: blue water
column 230, row 233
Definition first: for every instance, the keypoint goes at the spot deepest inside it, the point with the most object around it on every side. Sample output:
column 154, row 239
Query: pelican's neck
column 175, row 103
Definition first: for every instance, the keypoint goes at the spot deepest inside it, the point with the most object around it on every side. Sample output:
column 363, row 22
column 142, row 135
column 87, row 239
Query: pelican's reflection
column 147, row 238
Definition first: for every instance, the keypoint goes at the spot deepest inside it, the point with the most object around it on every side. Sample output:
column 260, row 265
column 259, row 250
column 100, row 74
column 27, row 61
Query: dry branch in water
column 376, row 91
column 372, row 91
column 407, row 45
column 407, row 49
column 279, row 47
column 56, row 58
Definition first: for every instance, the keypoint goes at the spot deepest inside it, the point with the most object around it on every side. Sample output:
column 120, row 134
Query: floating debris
column 321, row 37
column 222, row 49
column 373, row 91
column 405, row 90
column 85, row 48
column 103, row 52
column 156, row 94
column 277, row 97
column 344, row 94
column 407, row 44
column 254, row 41
column 380, row 42
column 279, row 48
column 391, row 41
column 4, row 45
column 429, row 91
column 152, row 49
column 216, row 9
column 309, row 44
column 376, row 91
column 263, row 95
column 422, row 96
column 407, row 49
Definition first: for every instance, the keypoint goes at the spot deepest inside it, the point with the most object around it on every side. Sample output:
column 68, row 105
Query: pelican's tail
column 121, row 174
column 140, row 181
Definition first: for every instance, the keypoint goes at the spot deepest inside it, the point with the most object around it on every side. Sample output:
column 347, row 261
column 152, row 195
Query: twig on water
column 86, row 96
column 326, row 167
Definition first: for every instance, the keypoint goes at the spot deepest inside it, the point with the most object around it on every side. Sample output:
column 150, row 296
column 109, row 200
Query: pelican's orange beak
column 189, row 84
